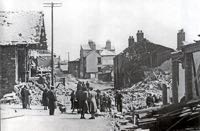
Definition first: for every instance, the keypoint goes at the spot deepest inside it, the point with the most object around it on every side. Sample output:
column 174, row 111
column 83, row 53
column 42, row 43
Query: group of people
column 151, row 100
column 84, row 100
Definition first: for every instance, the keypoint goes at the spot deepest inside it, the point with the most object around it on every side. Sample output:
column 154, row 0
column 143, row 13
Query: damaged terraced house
column 22, row 34
column 129, row 65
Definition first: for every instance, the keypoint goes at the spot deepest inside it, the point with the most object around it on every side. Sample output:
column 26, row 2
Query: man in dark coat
column 83, row 102
column 118, row 101
column 72, row 99
column 52, row 101
column 78, row 98
column 98, row 99
column 45, row 99
column 149, row 100
column 23, row 97
column 87, row 85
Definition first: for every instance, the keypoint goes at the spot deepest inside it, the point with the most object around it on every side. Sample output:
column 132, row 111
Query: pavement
column 14, row 118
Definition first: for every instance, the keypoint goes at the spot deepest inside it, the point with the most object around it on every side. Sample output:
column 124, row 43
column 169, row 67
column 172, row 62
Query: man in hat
column 52, row 101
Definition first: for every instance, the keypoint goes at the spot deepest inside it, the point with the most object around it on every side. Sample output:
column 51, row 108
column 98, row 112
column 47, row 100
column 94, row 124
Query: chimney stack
column 140, row 36
column 180, row 38
column 130, row 41
column 108, row 45
column 92, row 44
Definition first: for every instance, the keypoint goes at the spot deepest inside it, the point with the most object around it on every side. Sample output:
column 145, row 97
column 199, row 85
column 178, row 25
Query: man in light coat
column 93, row 105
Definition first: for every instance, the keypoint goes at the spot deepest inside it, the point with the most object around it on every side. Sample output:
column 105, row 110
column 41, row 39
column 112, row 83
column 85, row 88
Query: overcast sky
column 77, row 21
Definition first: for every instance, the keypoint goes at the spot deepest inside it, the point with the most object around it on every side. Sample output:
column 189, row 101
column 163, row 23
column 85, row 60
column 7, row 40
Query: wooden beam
column 191, row 48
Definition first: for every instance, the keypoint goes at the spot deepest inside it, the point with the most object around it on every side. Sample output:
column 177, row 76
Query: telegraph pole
column 52, row 5
column 68, row 56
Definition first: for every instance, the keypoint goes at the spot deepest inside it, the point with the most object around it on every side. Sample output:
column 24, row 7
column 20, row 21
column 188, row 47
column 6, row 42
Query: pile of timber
column 182, row 116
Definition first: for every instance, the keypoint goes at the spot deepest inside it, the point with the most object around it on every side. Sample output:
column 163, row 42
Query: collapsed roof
column 21, row 27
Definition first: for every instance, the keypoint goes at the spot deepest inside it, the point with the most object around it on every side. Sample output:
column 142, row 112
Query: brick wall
column 7, row 69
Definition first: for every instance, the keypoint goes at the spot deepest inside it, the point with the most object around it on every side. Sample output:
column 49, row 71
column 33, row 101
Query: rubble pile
column 71, row 81
column 36, row 92
column 135, row 96
column 62, row 93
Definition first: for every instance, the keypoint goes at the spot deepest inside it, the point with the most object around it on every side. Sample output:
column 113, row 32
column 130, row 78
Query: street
column 38, row 119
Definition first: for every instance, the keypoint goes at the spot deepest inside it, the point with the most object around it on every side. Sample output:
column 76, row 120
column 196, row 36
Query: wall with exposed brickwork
column 7, row 69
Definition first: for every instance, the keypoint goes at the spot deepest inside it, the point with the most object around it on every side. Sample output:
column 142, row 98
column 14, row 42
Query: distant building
column 64, row 67
column 129, row 65
column 20, row 33
column 93, row 58
column 74, row 67
column 106, row 73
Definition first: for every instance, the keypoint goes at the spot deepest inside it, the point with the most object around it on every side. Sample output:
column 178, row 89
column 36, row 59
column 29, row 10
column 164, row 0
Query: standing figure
column 79, row 86
column 28, row 98
column 78, row 98
column 45, row 99
column 52, row 101
column 149, row 100
column 87, row 85
column 98, row 98
column 23, row 97
column 109, row 103
column 72, row 99
column 93, row 106
column 118, row 101
column 103, row 103
column 83, row 85
column 83, row 102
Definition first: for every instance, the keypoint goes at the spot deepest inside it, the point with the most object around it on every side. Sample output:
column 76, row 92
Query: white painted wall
column 107, row 60
column 92, row 62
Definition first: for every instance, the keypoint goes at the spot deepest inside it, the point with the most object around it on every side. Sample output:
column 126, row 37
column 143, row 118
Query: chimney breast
column 92, row 45
column 108, row 45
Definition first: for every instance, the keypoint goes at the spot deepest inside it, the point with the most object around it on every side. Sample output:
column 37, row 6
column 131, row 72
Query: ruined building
column 20, row 32
column 129, row 65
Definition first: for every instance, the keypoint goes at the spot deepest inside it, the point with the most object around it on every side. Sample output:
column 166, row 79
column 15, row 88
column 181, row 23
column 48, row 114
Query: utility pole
column 52, row 5
column 68, row 56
